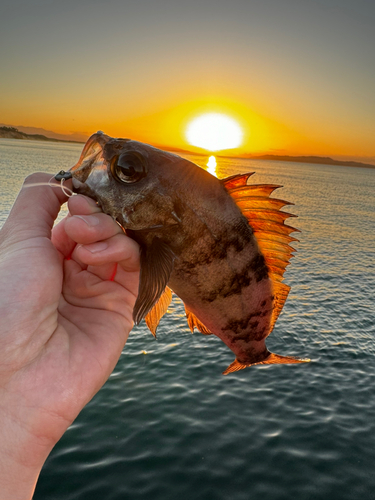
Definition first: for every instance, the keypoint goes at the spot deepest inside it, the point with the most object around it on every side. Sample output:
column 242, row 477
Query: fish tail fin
column 272, row 359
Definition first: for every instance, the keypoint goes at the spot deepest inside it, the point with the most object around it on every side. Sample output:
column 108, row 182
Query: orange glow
column 164, row 124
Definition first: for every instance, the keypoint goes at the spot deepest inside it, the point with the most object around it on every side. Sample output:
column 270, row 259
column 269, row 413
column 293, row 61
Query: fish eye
column 129, row 167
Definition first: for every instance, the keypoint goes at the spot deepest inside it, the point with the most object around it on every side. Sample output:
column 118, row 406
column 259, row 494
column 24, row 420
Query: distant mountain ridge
column 36, row 133
column 326, row 160
column 14, row 133
column 10, row 132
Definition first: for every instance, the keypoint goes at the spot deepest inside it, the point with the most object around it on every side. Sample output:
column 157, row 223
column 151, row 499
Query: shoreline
column 312, row 160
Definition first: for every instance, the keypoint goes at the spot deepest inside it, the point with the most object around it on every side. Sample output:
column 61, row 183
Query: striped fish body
column 196, row 240
column 221, row 274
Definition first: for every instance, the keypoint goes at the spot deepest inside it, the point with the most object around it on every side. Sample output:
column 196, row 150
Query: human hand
column 66, row 302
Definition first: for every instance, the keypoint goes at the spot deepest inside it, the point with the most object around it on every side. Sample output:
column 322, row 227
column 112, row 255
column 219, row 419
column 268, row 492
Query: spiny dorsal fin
column 253, row 190
column 272, row 234
column 273, row 220
column 276, row 237
column 264, row 202
column 281, row 291
column 194, row 322
column 157, row 312
column 236, row 180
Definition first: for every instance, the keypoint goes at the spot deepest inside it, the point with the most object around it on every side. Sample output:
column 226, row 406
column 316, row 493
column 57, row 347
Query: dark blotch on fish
column 258, row 266
column 235, row 286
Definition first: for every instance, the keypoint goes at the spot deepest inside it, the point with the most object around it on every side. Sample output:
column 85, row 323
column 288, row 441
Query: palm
column 73, row 321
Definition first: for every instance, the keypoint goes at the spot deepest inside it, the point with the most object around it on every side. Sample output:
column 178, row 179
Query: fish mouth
column 80, row 187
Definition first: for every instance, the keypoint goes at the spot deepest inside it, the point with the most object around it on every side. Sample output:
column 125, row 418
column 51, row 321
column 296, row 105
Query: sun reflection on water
column 211, row 164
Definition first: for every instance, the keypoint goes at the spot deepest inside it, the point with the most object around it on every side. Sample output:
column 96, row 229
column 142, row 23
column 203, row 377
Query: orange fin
column 272, row 234
column 194, row 322
column 157, row 312
column 263, row 190
column 272, row 359
column 281, row 292
column 236, row 180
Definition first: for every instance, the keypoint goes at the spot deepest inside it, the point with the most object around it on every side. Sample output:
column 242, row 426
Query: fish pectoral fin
column 272, row 359
column 157, row 262
column 157, row 312
column 194, row 322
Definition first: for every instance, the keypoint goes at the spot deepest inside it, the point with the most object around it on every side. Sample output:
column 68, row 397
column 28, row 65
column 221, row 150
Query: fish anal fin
column 235, row 181
column 157, row 312
column 272, row 359
column 157, row 261
column 194, row 322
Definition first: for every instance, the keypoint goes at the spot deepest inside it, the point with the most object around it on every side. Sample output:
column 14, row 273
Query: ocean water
column 167, row 425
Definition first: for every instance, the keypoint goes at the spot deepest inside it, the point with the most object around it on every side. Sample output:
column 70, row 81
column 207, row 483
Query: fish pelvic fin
column 272, row 359
column 154, row 316
column 194, row 322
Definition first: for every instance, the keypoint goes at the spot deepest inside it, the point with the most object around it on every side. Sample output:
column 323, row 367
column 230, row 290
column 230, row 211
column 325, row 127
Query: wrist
column 22, row 456
column 17, row 481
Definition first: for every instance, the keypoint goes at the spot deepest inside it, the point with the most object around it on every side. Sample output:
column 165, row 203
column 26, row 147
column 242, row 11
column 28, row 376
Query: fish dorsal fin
column 280, row 291
column 157, row 261
column 157, row 312
column 194, row 322
column 272, row 234
column 253, row 190
column 236, row 180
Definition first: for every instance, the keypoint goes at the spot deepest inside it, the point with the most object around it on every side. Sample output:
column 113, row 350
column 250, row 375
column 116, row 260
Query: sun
column 214, row 132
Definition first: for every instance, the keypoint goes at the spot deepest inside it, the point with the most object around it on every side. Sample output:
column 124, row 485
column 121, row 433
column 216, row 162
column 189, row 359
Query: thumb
column 35, row 209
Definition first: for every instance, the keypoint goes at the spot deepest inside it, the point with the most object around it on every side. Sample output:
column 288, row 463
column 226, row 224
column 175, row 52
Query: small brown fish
column 221, row 245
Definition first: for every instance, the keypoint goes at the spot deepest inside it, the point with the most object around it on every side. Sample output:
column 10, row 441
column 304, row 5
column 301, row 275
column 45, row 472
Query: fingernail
column 90, row 220
column 90, row 201
column 97, row 247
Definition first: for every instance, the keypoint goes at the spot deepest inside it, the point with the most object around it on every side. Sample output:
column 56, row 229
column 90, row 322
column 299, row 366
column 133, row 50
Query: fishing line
column 36, row 184
column 67, row 191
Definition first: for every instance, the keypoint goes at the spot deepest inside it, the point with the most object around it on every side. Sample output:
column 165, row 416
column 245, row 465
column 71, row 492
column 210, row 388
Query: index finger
column 77, row 204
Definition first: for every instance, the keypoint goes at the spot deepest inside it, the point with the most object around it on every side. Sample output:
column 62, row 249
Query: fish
column 221, row 245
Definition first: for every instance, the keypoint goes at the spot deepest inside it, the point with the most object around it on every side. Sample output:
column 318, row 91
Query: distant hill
column 14, row 133
column 325, row 160
column 10, row 132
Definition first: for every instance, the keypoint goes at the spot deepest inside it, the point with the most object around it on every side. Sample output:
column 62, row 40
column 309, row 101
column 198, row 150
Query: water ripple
column 168, row 425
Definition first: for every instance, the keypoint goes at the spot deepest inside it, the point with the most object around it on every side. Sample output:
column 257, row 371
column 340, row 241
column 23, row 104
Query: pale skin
column 66, row 302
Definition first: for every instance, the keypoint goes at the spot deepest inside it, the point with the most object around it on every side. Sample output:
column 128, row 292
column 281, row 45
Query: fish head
column 128, row 181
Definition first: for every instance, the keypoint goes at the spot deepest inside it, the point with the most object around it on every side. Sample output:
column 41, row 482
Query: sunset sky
column 297, row 75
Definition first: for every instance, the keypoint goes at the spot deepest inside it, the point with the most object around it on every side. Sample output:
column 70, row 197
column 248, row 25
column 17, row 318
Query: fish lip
column 77, row 185
column 80, row 187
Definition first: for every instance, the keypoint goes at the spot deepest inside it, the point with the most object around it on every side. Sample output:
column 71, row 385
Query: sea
column 168, row 425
